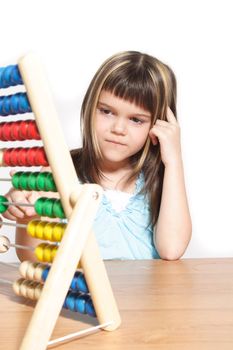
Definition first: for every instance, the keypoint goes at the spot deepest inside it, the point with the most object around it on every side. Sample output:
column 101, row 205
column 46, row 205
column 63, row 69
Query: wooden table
column 183, row 305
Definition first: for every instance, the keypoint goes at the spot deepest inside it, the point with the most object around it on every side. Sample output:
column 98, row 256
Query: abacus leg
column 57, row 284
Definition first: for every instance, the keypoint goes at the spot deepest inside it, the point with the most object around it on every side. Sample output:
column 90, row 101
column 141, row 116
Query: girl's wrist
column 174, row 163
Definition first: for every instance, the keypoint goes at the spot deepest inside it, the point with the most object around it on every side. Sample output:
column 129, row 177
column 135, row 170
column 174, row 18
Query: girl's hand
column 168, row 135
column 20, row 212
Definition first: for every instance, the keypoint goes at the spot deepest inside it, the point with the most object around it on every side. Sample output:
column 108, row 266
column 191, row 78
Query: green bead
column 48, row 207
column 15, row 179
column 39, row 205
column 40, row 181
column 58, row 210
column 32, row 181
column 49, row 183
column 3, row 207
column 23, row 181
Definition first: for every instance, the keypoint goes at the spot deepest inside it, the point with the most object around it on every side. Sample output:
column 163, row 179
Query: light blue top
column 127, row 234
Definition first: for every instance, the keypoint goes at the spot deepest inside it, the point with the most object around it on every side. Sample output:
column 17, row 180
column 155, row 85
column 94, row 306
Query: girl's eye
column 105, row 111
column 136, row 120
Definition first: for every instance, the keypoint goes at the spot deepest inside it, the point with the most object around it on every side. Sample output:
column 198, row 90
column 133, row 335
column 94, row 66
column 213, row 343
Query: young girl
column 131, row 147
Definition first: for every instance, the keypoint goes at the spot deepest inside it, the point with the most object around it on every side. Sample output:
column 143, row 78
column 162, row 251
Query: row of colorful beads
column 34, row 181
column 45, row 230
column 34, row 156
column 38, row 272
column 19, row 131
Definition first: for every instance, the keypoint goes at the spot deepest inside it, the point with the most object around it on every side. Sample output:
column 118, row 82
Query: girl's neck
column 116, row 178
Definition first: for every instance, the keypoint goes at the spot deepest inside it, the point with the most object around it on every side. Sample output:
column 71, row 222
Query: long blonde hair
column 150, row 84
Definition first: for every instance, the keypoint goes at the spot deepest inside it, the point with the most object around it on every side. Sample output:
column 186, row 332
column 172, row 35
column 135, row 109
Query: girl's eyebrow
column 135, row 114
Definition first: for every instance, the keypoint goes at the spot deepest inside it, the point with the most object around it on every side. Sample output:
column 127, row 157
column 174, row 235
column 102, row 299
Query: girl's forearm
column 174, row 227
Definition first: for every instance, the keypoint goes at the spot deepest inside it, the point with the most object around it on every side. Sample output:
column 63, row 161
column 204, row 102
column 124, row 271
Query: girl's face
column 121, row 128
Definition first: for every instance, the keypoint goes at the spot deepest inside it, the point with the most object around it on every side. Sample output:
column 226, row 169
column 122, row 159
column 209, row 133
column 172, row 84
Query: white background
column 73, row 38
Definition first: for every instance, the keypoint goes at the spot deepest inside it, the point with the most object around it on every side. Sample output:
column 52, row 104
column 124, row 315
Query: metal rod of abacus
column 19, row 246
column 19, row 204
column 69, row 337
column 12, row 224
column 76, row 335
column 5, row 242
column 5, row 179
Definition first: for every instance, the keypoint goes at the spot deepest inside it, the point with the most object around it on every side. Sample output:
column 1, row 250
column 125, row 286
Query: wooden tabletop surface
column 177, row 305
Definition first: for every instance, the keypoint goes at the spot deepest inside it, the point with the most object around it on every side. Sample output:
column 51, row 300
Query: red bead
column 6, row 131
column 41, row 157
column 23, row 130
column 22, row 157
column 15, row 131
column 31, row 154
column 1, row 132
column 1, row 124
column 14, row 156
column 33, row 132
column 6, row 157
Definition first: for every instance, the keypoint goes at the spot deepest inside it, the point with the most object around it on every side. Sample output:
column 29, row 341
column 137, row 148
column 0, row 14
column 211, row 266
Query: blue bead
column 81, row 282
column 23, row 103
column 73, row 285
column 45, row 273
column 7, row 76
column 80, row 303
column 15, row 76
column 1, row 104
column 14, row 104
column 1, row 74
column 90, row 308
column 10, row 76
column 70, row 301
column 6, row 107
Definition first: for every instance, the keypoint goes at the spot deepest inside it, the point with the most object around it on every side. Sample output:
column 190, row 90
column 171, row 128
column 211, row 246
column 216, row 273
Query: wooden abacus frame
column 80, row 203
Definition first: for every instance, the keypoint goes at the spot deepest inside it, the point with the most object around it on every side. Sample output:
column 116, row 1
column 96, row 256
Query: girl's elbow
column 170, row 255
column 174, row 251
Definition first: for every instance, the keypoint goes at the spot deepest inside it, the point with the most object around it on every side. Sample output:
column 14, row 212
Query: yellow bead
column 31, row 227
column 54, row 251
column 58, row 232
column 48, row 253
column 40, row 229
column 48, row 231
column 39, row 251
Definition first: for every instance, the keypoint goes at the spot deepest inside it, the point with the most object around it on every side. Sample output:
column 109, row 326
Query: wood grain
column 185, row 305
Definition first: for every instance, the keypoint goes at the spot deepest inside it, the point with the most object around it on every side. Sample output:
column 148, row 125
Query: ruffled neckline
column 132, row 200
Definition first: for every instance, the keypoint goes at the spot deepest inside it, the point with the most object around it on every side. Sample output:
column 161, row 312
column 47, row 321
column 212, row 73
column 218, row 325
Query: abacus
column 53, row 286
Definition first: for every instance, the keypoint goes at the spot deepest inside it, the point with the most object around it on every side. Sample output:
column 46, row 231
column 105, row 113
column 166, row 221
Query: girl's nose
column 119, row 126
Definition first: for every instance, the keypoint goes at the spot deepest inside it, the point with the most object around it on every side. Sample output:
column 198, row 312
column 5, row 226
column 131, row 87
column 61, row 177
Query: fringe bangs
column 132, row 85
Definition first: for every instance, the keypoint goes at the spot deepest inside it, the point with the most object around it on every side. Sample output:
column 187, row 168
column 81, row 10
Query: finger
column 32, row 198
column 158, row 132
column 12, row 172
column 162, row 123
column 13, row 213
column 170, row 116
column 17, row 197
column 8, row 216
